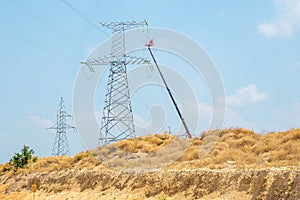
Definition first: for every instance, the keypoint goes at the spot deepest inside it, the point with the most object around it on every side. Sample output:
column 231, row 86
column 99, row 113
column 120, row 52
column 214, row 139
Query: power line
column 84, row 17
column 43, row 21
column 35, row 45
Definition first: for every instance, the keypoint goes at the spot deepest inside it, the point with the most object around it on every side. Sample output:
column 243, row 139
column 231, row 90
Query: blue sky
column 254, row 45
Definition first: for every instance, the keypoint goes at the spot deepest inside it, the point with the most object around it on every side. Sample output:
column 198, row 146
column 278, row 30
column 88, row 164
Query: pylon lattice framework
column 61, row 147
column 117, row 117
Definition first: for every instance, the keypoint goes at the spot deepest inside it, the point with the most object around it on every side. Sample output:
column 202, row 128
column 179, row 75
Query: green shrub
column 20, row 160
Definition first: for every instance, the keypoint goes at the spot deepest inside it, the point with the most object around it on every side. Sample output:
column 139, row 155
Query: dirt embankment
column 222, row 164
column 273, row 183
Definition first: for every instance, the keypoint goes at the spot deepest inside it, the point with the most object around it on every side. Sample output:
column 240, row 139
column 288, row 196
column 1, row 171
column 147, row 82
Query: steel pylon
column 117, row 118
column 61, row 147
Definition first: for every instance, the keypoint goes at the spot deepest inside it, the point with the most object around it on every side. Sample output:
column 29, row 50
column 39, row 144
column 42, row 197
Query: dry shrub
column 241, row 132
column 246, row 141
column 293, row 134
column 233, row 143
column 86, row 160
column 245, row 147
column 248, row 158
column 292, row 147
column 192, row 153
column 197, row 141
column 265, row 144
column 236, row 133
column 78, row 157
column 155, row 140
column 127, row 145
column 288, row 152
column 164, row 136
column 278, row 155
column 229, row 155
column 238, row 156
column 215, row 153
column 221, row 146
column 51, row 164
column 144, row 146
column 227, row 136
column 81, row 160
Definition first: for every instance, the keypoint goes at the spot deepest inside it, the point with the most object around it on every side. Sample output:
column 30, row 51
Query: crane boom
column 169, row 92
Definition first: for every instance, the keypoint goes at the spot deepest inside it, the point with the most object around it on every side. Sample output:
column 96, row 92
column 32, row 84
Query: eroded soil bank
column 269, row 183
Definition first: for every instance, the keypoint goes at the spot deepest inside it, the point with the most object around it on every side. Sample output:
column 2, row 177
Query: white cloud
column 234, row 119
column 40, row 122
column 267, row 29
column 286, row 20
column 231, row 118
column 246, row 95
column 290, row 117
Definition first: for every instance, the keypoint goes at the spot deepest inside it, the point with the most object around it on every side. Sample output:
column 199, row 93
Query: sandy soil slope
column 272, row 183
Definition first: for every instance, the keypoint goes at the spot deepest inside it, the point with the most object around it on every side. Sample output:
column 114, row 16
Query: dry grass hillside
column 242, row 147
column 163, row 166
column 239, row 147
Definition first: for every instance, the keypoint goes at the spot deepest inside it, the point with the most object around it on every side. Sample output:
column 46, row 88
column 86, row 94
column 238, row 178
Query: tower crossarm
column 119, row 26
column 127, row 60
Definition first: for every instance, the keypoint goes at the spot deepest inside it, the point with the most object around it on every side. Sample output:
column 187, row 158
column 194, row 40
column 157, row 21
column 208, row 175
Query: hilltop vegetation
column 241, row 147
column 231, row 147
column 219, row 148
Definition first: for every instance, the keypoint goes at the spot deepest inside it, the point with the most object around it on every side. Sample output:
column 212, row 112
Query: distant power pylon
column 117, row 118
column 61, row 147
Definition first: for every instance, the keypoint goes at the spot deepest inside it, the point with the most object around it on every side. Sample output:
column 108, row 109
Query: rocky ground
column 271, row 183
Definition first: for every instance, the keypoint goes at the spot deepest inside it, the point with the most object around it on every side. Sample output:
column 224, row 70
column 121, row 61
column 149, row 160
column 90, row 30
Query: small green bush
column 20, row 160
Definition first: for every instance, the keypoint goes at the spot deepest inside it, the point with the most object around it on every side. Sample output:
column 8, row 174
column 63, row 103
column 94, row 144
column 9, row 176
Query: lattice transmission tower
column 61, row 147
column 117, row 118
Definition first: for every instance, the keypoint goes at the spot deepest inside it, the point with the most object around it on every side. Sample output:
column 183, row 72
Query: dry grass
column 242, row 147
column 145, row 144
column 56, row 163
column 239, row 147
column 235, row 147
column 50, row 164
column 192, row 153
column 1, row 168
